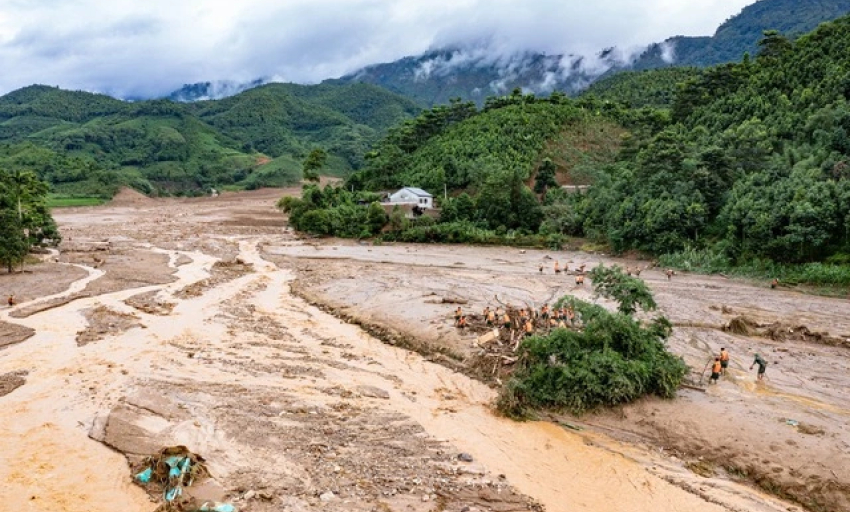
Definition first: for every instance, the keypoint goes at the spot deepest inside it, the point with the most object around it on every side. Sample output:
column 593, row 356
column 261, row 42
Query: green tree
column 25, row 213
column 314, row 163
column 545, row 176
column 376, row 217
column 627, row 291
column 13, row 242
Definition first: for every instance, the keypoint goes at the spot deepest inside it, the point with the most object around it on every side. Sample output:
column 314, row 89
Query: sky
column 145, row 48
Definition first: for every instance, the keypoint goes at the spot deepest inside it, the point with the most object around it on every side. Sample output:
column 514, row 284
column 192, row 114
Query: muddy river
column 165, row 322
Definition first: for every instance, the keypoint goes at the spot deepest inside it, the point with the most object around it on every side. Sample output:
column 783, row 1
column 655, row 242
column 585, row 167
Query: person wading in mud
column 458, row 314
column 461, row 323
column 557, row 267
column 724, row 360
column 11, row 300
column 762, row 366
column 506, row 321
column 715, row 371
column 491, row 318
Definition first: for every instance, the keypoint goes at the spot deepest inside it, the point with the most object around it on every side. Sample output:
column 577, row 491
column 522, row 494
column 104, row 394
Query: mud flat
column 292, row 408
column 787, row 435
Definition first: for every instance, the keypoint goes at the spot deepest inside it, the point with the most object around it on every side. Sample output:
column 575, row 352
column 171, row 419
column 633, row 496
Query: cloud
column 126, row 47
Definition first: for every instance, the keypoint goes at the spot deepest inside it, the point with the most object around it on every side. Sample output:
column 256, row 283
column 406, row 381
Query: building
column 413, row 196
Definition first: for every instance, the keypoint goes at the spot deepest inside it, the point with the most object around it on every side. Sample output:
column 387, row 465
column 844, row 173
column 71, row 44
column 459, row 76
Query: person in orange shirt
column 461, row 323
column 724, row 360
column 715, row 371
column 529, row 328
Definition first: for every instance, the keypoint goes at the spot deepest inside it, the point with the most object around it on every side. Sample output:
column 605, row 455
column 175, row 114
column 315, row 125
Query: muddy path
column 293, row 409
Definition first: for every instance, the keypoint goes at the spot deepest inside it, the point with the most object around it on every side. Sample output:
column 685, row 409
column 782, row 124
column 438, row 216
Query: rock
column 327, row 496
column 425, row 498
column 373, row 392
column 465, row 457
column 249, row 495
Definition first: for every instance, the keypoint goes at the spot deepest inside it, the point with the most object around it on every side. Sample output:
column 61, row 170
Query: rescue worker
column 11, row 300
column 491, row 319
column 506, row 320
column 544, row 312
column 458, row 314
column 715, row 371
column 529, row 328
column 557, row 267
column 774, row 284
column 724, row 360
column 461, row 323
column 541, row 268
column 669, row 273
column 580, row 280
column 762, row 366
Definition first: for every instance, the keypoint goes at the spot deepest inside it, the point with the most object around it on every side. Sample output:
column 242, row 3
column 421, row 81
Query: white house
column 413, row 195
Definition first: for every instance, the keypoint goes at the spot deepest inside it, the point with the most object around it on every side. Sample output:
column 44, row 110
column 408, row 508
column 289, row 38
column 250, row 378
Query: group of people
column 579, row 271
column 721, row 363
column 525, row 319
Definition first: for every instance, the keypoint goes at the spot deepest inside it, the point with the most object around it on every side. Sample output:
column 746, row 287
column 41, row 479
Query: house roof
column 417, row 192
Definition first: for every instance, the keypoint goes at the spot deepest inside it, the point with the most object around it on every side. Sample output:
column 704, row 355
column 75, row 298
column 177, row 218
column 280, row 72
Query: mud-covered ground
column 788, row 434
column 182, row 322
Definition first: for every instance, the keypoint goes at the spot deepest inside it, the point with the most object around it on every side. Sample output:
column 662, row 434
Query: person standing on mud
column 11, row 300
column 762, row 366
column 458, row 314
column 529, row 328
column 491, row 318
column 724, row 360
column 715, row 371
column 506, row 321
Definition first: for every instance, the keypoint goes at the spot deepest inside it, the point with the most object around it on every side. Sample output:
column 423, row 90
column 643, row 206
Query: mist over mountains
column 482, row 68
column 474, row 72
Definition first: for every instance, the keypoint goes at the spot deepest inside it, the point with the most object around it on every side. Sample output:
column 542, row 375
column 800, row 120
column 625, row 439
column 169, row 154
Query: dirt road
column 187, row 333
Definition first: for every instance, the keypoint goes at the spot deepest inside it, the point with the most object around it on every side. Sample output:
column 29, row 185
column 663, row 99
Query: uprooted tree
column 613, row 359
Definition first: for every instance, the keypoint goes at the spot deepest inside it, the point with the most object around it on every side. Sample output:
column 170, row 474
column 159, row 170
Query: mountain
column 740, row 34
column 91, row 144
column 473, row 73
column 213, row 90
column 435, row 77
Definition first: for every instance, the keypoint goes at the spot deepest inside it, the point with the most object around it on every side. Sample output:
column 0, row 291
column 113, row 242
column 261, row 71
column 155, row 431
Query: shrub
column 612, row 360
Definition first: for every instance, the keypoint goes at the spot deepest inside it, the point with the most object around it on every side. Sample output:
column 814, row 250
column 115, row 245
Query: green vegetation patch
column 54, row 201
column 611, row 359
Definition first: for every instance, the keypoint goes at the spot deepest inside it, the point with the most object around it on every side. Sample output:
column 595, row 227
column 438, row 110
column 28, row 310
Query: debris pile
column 498, row 342
column 171, row 471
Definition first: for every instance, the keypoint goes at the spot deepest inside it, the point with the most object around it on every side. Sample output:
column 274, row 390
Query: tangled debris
column 170, row 471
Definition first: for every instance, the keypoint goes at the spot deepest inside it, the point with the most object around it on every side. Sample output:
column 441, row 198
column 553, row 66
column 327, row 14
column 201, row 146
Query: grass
column 826, row 278
column 54, row 201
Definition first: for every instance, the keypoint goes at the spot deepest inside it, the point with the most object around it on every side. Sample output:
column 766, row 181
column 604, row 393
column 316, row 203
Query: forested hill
column 740, row 34
column 750, row 165
column 473, row 74
column 756, row 162
column 648, row 88
column 91, row 144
